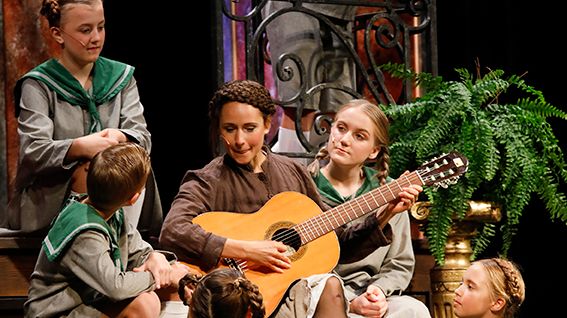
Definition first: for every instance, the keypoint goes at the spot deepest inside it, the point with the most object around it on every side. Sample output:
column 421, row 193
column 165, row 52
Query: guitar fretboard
column 353, row 209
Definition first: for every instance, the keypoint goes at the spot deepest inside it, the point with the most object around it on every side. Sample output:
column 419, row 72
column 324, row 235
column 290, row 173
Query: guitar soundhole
column 289, row 237
column 283, row 232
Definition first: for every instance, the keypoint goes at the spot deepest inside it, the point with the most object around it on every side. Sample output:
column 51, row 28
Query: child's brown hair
column 116, row 174
column 222, row 293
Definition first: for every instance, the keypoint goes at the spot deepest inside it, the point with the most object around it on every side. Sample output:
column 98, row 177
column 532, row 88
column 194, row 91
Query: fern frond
column 487, row 88
column 521, row 84
column 447, row 204
column 482, row 241
column 511, row 147
column 541, row 108
column 555, row 201
column 405, row 158
column 442, row 120
column 491, row 75
column 465, row 77
column 426, row 81
column 476, row 142
column 398, row 70
column 507, row 237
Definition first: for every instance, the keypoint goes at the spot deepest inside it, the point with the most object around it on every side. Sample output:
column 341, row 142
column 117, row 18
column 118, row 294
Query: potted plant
column 501, row 124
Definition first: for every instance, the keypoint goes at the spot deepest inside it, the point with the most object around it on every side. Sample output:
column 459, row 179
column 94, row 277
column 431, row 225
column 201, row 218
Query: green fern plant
column 501, row 125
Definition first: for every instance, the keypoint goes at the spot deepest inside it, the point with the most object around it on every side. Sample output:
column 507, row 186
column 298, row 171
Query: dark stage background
column 170, row 46
column 517, row 37
column 169, row 43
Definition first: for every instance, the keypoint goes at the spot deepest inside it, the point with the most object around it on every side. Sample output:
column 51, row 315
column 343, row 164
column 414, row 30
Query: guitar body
column 295, row 220
column 281, row 212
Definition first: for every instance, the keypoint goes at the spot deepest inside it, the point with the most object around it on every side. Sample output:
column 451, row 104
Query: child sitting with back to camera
column 93, row 262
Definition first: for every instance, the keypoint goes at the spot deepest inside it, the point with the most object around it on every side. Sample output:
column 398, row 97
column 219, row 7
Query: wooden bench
column 18, row 255
column 420, row 285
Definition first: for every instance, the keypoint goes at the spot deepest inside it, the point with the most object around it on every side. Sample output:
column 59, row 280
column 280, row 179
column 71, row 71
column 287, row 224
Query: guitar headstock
column 444, row 170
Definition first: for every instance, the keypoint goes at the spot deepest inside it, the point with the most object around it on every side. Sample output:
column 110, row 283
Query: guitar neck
column 342, row 214
column 306, row 224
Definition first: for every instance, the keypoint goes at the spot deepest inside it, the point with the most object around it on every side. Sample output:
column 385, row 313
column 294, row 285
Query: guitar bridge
column 235, row 264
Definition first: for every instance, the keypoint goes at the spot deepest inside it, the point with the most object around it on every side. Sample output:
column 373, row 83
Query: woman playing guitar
column 262, row 193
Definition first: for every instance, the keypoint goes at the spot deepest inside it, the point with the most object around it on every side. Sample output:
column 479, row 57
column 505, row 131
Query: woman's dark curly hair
column 242, row 91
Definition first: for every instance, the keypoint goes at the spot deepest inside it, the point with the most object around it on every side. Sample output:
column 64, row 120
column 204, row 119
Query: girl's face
column 352, row 138
column 472, row 298
column 81, row 32
column 243, row 129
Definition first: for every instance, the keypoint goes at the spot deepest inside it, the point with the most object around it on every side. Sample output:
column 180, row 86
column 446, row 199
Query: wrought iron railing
column 384, row 31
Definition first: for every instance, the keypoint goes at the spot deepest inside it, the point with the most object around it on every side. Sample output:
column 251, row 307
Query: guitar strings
column 317, row 222
column 242, row 265
column 419, row 175
column 424, row 175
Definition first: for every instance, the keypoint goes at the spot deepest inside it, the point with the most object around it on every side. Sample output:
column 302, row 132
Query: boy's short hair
column 116, row 174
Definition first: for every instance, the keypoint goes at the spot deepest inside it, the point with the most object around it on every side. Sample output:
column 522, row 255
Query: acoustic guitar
column 295, row 220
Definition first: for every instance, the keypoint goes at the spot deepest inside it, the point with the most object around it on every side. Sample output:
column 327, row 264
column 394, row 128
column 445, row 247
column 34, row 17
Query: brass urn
column 447, row 278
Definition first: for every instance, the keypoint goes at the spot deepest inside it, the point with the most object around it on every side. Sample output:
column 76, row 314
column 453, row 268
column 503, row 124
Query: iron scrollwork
column 384, row 31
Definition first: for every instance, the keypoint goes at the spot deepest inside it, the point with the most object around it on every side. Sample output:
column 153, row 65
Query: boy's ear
column 134, row 198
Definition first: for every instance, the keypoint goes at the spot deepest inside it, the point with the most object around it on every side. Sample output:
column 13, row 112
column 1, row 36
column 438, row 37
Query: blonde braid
column 383, row 165
column 514, row 285
column 505, row 282
column 315, row 165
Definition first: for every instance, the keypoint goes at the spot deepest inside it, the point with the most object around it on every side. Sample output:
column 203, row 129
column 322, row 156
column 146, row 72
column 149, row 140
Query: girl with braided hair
column 342, row 171
column 242, row 181
column 221, row 293
column 490, row 288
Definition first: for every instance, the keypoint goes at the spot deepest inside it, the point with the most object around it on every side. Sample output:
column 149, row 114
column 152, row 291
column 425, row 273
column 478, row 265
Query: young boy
column 93, row 262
